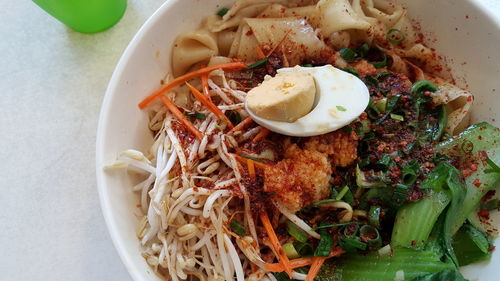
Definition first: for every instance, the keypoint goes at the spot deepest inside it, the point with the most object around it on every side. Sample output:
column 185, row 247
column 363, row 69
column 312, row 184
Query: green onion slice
column 256, row 64
column 342, row 193
column 341, row 108
column 290, row 251
column 351, row 70
column 297, row 233
column 395, row 36
column 380, row 64
column 222, row 12
column 349, row 55
column 424, row 85
column 397, row 117
column 325, row 243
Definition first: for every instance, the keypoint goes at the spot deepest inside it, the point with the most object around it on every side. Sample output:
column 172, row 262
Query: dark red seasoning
column 476, row 183
column 484, row 214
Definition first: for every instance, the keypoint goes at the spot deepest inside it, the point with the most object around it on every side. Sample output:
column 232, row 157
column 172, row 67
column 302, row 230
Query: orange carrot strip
column 260, row 53
column 262, row 134
column 242, row 125
column 210, row 105
column 242, row 160
column 186, row 77
column 251, row 168
column 300, row 262
column 316, row 265
column 276, row 243
column 178, row 114
column 204, row 84
column 279, row 43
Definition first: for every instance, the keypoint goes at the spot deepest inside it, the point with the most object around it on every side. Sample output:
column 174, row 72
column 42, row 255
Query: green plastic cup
column 86, row 16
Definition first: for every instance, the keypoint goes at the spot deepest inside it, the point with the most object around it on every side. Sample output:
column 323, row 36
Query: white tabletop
column 52, row 81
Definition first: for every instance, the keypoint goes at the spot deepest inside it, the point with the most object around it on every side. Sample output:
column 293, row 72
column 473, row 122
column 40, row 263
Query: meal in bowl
column 389, row 192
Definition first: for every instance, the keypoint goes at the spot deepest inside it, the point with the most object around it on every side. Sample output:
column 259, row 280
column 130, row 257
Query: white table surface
column 52, row 81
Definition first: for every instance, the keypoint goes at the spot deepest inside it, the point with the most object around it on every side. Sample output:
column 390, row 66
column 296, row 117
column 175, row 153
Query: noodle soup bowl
column 466, row 34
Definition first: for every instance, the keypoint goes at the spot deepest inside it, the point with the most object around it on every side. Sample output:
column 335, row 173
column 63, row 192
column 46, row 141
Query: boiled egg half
column 307, row 101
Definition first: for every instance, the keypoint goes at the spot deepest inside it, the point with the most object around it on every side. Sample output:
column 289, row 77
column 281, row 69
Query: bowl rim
column 102, row 125
column 111, row 225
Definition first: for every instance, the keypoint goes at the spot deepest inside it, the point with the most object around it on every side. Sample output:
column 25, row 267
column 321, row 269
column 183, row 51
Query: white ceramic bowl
column 467, row 35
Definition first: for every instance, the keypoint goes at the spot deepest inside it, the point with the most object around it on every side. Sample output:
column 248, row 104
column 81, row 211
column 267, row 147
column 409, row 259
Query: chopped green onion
column 363, row 182
column 370, row 234
column 256, row 64
column 349, row 55
column 195, row 114
column 397, row 117
column 233, row 116
column 325, row 243
column 347, row 129
column 342, row 193
column 380, row 64
column 238, row 228
column 374, row 216
column 307, row 65
column 297, row 233
column 351, row 70
column 381, row 104
column 251, row 158
column 363, row 50
column 290, row 251
column 304, row 249
column 341, row 108
column 395, row 36
column 385, row 161
column 424, row 85
column 410, row 172
column 442, row 121
column 326, row 201
column 494, row 167
column 334, row 225
column 222, row 12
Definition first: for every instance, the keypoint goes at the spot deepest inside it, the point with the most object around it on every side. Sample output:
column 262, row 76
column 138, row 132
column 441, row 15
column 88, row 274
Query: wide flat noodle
column 338, row 15
column 301, row 40
column 191, row 48
column 458, row 105
column 241, row 9
column 309, row 13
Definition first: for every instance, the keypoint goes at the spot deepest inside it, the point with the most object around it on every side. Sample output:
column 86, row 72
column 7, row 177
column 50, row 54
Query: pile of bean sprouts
column 184, row 231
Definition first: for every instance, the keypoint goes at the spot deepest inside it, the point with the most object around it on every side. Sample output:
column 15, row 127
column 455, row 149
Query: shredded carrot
column 316, row 265
column 276, row 243
column 204, row 84
column 262, row 134
column 279, row 43
column 242, row 125
column 251, row 168
column 300, row 262
column 181, row 117
column 260, row 53
column 242, row 160
column 186, row 77
column 210, row 105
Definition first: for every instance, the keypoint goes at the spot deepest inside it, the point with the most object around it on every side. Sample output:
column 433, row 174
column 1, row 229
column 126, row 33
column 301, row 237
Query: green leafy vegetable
column 441, row 275
column 374, row 216
column 471, row 245
column 410, row 172
column 325, row 243
column 374, row 267
column 442, row 121
column 484, row 138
